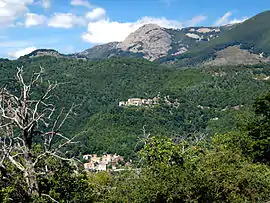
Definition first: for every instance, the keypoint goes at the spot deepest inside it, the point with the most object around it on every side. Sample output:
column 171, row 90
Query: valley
column 166, row 115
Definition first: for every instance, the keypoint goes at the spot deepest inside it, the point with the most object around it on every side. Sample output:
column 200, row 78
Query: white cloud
column 22, row 52
column 96, row 14
column 46, row 4
column 66, row 20
column 196, row 20
column 33, row 19
column 12, row 9
column 225, row 19
column 105, row 31
column 235, row 20
column 162, row 22
column 81, row 3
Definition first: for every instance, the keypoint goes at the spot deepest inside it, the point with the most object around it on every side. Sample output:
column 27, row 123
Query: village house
column 96, row 163
column 150, row 102
column 134, row 102
column 139, row 102
column 122, row 103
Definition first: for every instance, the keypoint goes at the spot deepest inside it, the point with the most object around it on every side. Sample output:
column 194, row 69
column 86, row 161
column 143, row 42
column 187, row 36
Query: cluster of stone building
column 150, row 102
column 139, row 102
column 102, row 163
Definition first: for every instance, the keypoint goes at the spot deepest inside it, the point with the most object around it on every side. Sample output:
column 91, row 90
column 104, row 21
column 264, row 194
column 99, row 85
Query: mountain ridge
column 252, row 35
column 186, row 46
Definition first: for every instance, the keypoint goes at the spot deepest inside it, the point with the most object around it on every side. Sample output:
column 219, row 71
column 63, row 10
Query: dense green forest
column 102, row 126
column 213, row 146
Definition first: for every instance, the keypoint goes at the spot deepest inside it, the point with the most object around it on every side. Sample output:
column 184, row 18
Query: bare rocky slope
column 233, row 55
column 153, row 42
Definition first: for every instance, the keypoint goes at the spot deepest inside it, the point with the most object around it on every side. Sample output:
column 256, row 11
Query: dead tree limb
column 21, row 118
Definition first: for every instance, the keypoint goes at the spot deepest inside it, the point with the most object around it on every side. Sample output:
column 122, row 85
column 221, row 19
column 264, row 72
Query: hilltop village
column 139, row 102
column 104, row 163
column 149, row 102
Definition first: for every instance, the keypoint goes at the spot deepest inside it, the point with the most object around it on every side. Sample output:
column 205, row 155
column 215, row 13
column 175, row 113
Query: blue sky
column 74, row 25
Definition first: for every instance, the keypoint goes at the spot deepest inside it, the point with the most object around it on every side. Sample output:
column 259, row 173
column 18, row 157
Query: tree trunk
column 30, row 174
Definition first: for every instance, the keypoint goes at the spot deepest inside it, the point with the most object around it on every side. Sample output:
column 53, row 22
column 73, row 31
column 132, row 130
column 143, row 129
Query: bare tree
column 25, row 118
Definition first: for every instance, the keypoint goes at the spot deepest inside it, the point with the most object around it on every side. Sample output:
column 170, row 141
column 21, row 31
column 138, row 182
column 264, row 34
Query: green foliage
column 187, row 171
column 216, row 174
column 165, row 152
column 259, row 130
column 228, row 177
column 176, row 165
column 64, row 184
column 98, row 86
column 13, row 188
column 60, row 181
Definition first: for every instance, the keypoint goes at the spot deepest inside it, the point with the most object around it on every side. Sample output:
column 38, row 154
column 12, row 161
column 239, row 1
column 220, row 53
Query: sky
column 70, row 26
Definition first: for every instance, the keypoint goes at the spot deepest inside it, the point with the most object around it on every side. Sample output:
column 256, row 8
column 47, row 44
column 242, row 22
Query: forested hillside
column 208, row 98
column 206, row 140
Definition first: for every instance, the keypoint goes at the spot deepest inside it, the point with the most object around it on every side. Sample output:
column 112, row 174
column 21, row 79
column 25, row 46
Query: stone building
column 139, row 102
column 96, row 163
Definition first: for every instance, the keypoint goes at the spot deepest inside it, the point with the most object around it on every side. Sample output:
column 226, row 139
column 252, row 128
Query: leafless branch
column 20, row 118
column 49, row 197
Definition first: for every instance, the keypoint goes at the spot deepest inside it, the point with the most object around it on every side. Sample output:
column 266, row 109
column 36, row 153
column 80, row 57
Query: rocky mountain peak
column 150, row 39
column 44, row 52
column 149, row 26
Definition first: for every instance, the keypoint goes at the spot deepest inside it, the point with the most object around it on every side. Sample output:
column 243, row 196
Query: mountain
column 98, row 52
column 252, row 35
column 243, row 43
column 44, row 52
column 153, row 42
column 104, row 52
